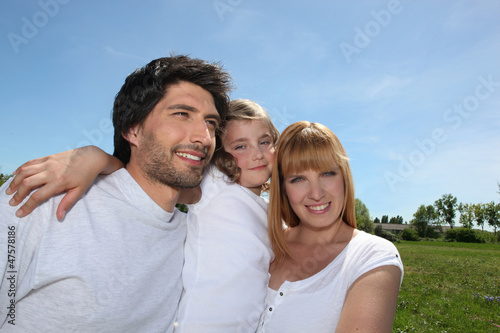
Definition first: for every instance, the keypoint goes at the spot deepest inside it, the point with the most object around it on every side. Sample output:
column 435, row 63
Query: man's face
column 176, row 142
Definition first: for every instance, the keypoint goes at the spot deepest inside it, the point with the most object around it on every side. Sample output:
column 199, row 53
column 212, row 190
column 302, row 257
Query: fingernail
column 19, row 213
column 8, row 191
column 12, row 202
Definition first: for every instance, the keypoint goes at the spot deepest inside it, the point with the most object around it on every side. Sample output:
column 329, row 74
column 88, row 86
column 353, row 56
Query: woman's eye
column 265, row 143
column 239, row 147
column 295, row 180
column 330, row 173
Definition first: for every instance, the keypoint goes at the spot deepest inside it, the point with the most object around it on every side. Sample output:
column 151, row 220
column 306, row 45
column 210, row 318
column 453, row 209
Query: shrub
column 433, row 232
column 488, row 237
column 389, row 236
column 464, row 235
column 409, row 234
column 450, row 235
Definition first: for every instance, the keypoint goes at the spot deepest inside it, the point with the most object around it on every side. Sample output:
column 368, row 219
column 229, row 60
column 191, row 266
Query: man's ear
column 132, row 135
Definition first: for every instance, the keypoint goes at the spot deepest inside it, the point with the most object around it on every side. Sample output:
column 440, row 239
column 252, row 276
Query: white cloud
column 386, row 86
column 116, row 53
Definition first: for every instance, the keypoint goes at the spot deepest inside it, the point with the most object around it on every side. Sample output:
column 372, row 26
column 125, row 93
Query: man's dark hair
column 145, row 87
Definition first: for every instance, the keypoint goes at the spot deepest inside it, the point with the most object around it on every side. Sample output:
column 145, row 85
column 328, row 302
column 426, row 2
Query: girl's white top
column 315, row 304
column 227, row 256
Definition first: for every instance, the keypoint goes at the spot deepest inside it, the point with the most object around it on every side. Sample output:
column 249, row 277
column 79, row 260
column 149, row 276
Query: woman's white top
column 315, row 304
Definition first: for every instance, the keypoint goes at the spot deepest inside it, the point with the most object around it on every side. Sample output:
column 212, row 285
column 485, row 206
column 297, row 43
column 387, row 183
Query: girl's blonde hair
column 304, row 146
column 240, row 109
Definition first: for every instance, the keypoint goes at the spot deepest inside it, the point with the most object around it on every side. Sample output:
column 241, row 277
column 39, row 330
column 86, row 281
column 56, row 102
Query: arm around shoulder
column 72, row 171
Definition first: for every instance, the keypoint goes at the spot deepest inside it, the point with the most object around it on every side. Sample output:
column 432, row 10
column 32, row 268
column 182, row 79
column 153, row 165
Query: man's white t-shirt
column 112, row 265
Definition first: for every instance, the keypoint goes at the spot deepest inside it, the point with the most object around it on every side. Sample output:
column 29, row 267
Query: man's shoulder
column 116, row 184
column 8, row 212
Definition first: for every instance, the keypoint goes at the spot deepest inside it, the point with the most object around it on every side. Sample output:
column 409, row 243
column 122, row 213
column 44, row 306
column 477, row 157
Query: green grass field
column 445, row 286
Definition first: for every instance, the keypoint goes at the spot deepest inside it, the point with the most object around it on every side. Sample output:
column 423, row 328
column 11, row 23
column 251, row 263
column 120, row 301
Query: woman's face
column 316, row 197
column 251, row 144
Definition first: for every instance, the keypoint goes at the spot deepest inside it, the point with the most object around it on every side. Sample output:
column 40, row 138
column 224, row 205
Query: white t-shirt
column 315, row 304
column 113, row 265
column 227, row 256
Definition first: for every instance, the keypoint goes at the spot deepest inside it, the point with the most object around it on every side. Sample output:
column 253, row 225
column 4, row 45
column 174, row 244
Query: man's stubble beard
column 158, row 164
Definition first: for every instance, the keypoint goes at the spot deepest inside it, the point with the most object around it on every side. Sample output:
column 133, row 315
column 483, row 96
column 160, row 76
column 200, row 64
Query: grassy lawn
column 441, row 286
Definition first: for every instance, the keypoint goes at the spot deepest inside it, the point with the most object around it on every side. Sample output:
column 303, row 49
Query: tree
column 363, row 220
column 385, row 219
column 423, row 220
column 4, row 178
column 376, row 220
column 466, row 215
column 480, row 214
column 445, row 207
column 396, row 220
column 493, row 215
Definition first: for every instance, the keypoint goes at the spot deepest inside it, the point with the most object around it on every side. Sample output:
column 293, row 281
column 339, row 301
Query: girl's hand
column 72, row 171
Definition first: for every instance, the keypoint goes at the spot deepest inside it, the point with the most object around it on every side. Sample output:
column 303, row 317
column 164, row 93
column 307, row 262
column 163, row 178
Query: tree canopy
column 446, row 207
column 363, row 220
column 424, row 218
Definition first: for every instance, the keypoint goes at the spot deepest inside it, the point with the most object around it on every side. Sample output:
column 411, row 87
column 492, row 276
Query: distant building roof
column 400, row 227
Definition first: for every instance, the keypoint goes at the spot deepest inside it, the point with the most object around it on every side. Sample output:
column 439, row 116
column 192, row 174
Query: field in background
column 449, row 287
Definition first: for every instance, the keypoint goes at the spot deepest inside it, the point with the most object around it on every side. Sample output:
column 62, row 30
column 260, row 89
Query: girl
column 227, row 251
column 328, row 276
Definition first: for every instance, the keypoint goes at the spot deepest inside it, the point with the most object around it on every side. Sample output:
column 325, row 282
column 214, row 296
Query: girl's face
column 316, row 197
column 251, row 144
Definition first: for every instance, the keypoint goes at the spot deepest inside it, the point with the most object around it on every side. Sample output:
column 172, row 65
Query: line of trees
column 427, row 220
column 443, row 212
column 385, row 219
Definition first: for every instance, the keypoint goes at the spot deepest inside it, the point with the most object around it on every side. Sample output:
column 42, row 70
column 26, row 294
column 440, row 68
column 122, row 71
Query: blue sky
column 411, row 88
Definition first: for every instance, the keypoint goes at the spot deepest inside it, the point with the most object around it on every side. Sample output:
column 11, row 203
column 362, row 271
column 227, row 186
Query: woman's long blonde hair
column 304, row 146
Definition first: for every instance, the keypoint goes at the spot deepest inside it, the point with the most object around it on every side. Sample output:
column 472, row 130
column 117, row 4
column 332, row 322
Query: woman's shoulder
column 369, row 243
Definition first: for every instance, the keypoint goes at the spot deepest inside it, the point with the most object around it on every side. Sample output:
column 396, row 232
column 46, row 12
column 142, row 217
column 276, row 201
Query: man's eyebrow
column 182, row 107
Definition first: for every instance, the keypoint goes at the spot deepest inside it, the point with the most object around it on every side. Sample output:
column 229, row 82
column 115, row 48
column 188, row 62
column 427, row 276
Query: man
column 115, row 263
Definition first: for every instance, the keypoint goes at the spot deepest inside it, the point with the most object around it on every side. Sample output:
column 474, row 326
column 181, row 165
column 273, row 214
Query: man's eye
column 213, row 124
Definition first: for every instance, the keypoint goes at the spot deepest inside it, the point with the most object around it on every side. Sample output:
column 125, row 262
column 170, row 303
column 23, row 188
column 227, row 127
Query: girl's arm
column 371, row 301
column 72, row 171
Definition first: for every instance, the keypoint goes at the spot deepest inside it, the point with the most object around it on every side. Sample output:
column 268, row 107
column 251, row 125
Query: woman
column 327, row 276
